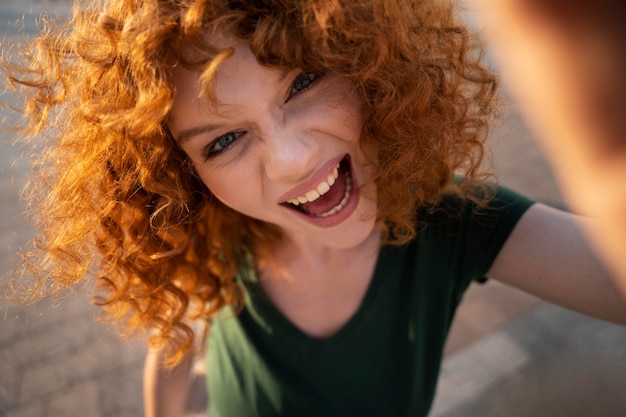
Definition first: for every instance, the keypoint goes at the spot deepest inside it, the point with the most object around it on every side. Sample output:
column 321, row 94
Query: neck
column 297, row 253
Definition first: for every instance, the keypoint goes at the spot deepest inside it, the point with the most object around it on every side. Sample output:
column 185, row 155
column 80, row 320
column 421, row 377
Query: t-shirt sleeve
column 471, row 236
column 489, row 228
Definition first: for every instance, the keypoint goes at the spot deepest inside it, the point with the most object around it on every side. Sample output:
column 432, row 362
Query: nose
column 290, row 151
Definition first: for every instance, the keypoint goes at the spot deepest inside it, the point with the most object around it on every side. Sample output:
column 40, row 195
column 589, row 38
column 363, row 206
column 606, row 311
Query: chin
column 351, row 234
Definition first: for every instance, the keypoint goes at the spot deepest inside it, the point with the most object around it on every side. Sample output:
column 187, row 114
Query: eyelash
column 210, row 150
column 300, row 84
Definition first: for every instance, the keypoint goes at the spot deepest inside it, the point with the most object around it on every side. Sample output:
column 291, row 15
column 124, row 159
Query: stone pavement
column 508, row 355
column 56, row 360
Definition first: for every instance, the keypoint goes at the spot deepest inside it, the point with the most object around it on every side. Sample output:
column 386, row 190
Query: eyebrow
column 283, row 74
column 187, row 134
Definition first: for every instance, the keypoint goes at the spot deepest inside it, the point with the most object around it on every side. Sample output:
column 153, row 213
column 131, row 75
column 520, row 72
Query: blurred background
column 509, row 354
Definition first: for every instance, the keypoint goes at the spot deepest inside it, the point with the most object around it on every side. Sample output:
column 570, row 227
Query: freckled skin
column 284, row 137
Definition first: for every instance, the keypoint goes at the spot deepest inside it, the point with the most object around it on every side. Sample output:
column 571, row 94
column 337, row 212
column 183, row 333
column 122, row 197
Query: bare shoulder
column 548, row 255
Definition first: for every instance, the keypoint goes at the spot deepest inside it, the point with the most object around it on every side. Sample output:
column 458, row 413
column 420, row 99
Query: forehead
column 233, row 79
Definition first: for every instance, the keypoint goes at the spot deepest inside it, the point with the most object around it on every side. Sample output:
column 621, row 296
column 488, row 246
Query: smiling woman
column 280, row 135
column 302, row 176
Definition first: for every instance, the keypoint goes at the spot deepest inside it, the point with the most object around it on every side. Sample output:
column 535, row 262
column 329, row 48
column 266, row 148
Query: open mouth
column 329, row 197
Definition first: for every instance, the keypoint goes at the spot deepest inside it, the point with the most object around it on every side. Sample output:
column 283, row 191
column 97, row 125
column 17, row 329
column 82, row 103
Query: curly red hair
column 113, row 194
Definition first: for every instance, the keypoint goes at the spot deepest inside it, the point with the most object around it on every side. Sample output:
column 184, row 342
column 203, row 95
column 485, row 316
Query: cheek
column 341, row 109
column 220, row 180
column 234, row 188
column 219, row 185
column 347, row 113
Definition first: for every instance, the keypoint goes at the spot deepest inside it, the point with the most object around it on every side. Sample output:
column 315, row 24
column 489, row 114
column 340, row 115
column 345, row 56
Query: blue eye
column 301, row 83
column 220, row 144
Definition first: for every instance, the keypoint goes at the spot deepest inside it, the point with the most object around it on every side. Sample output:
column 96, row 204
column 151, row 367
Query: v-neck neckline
column 258, row 300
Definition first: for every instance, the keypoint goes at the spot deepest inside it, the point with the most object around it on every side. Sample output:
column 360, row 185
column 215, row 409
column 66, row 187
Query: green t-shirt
column 385, row 360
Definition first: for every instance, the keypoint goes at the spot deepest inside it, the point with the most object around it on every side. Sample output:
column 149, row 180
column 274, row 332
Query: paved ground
column 509, row 354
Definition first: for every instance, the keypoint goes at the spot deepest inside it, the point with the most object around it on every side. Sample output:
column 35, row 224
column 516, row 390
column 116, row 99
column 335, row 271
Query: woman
column 304, row 176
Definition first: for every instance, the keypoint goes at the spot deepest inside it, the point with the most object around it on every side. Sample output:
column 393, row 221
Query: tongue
column 329, row 200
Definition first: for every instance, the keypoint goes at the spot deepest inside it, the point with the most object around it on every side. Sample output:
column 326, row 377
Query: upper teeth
column 321, row 189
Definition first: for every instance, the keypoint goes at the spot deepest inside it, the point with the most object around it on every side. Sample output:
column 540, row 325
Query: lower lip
column 340, row 216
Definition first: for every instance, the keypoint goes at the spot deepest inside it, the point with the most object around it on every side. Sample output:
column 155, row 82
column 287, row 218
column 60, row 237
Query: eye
column 301, row 83
column 220, row 144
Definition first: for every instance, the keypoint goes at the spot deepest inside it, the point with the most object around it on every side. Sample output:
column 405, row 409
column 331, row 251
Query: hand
column 565, row 63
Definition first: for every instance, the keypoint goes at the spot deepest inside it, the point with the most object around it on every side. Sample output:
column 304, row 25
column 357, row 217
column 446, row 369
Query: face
column 279, row 146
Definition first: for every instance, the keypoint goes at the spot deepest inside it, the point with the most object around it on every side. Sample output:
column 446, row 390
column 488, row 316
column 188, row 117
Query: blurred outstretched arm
column 565, row 63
